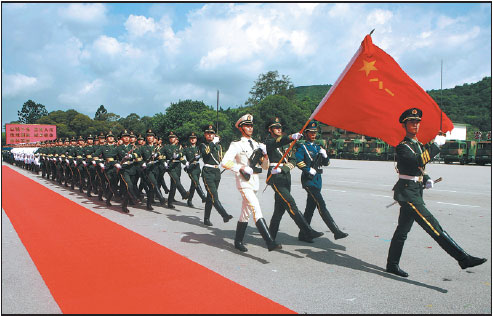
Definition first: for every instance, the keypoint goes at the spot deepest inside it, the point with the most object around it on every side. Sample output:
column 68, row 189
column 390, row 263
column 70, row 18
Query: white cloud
column 84, row 13
column 139, row 25
column 108, row 45
column 17, row 84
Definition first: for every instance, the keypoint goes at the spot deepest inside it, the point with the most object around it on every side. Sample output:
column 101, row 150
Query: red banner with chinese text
column 29, row 133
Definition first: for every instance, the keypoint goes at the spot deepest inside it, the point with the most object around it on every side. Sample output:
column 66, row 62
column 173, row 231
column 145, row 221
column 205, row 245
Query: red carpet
column 92, row 265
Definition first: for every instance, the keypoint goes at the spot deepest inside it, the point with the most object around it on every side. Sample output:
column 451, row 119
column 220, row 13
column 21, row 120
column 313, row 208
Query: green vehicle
column 375, row 149
column 335, row 148
column 353, row 149
column 390, row 153
column 483, row 153
column 462, row 151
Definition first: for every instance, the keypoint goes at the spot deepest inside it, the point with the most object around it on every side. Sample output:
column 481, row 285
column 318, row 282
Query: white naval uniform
column 235, row 158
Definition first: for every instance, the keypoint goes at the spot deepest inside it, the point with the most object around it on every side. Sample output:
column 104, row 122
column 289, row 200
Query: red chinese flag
column 371, row 94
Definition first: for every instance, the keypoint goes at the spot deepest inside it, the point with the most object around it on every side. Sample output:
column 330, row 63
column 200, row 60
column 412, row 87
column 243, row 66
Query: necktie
column 251, row 143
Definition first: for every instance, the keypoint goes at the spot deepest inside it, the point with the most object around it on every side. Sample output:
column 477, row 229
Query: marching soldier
column 102, row 183
column 109, row 166
column 176, row 158
column 412, row 157
column 281, row 180
column 192, row 167
column 89, row 166
column 241, row 158
column 78, row 166
column 307, row 155
column 149, row 153
column 127, row 170
column 211, row 153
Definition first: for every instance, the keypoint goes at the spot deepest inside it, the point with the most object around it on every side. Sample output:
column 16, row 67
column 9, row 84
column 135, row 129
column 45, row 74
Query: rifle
column 317, row 164
column 252, row 163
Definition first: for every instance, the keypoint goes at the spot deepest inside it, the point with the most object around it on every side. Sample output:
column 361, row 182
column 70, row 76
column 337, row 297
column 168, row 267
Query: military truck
column 483, row 153
column 335, row 148
column 353, row 148
column 462, row 151
column 375, row 149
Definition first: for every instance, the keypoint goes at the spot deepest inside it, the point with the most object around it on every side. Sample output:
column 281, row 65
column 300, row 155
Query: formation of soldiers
column 129, row 165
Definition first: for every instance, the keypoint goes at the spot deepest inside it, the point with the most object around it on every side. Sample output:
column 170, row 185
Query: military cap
column 312, row 126
column 140, row 137
column 73, row 139
column 411, row 114
column 67, row 139
column 80, row 137
column 110, row 134
column 245, row 119
column 150, row 133
column 192, row 135
column 274, row 122
column 101, row 135
column 171, row 134
column 90, row 137
column 209, row 129
column 124, row 133
column 132, row 134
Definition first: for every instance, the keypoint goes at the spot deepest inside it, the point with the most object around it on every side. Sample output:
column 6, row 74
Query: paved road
column 344, row 276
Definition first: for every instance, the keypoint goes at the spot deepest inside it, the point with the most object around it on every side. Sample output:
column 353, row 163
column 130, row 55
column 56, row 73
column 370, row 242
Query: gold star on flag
column 368, row 66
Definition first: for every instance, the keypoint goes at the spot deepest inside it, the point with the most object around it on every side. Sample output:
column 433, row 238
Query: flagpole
column 290, row 147
column 441, row 96
column 217, row 113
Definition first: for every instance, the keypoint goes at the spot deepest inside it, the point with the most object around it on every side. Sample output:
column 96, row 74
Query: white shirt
column 237, row 157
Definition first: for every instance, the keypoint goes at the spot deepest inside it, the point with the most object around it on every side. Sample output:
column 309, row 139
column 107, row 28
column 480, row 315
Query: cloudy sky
column 140, row 57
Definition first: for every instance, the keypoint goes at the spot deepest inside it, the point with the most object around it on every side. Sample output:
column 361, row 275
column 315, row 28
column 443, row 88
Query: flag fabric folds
column 371, row 94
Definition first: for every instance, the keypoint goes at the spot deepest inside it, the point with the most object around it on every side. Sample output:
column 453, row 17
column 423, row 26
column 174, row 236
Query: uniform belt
column 175, row 160
column 195, row 162
column 211, row 166
column 273, row 164
column 110, row 159
column 412, row 178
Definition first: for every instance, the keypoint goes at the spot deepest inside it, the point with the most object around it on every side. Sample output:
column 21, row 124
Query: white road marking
column 386, row 196
column 454, row 204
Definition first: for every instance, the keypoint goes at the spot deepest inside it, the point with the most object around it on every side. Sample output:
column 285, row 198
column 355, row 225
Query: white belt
column 273, row 164
column 211, row 166
column 413, row 178
column 195, row 162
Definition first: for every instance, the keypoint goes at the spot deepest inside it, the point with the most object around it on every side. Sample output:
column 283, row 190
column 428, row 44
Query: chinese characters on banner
column 29, row 133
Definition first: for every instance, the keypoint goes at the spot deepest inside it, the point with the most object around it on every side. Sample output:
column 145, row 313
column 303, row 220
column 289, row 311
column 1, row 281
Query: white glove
column 197, row 156
column 429, row 184
column 75, row 163
column 144, row 165
column 187, row 164
column 313, row 171
column 68, row 162
column 118, row 166
column 440, row 140
column 156, row 155
column 296, row 136
column 248, row 170
column 84, row 163
column 129, row 156
column 166, row 165
column 215, row 140
column 60, row 158
column 275, row 171
column 175, row 155
column 264, row 148
column 101, row 165
column 323, row 152
column 94, row 162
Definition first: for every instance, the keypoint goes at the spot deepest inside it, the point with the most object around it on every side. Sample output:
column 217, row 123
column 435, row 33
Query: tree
column 270, row 84
column 101, row 114
column 31, row 112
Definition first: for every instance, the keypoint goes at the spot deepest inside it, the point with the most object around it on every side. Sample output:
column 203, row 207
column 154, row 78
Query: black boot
column 262, row 228
column 220, row 209
column 303, row 237
column 207, row 215
column 108, row 200
column 150, row 197
column 464, row 259
column 308, row 233
column 240, row 233
column 338, row 234
column 124, row 205
column 190, row 204
column 394, row 269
